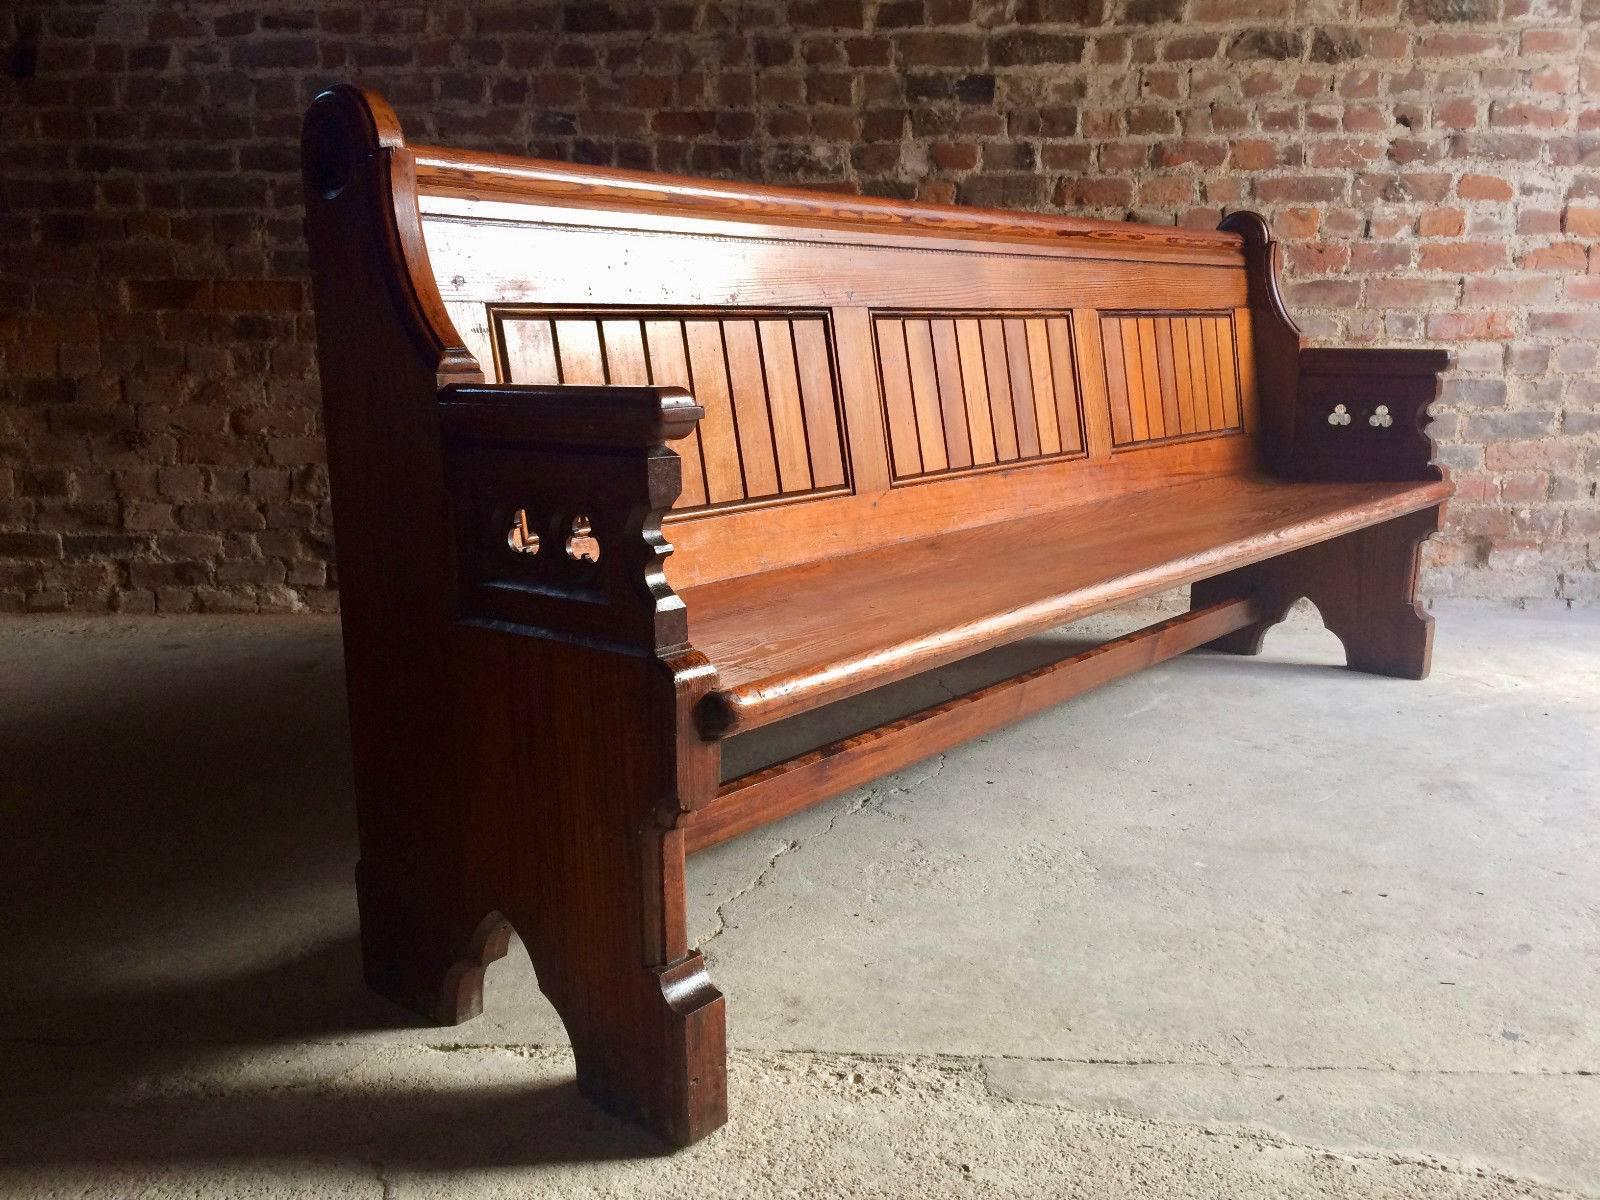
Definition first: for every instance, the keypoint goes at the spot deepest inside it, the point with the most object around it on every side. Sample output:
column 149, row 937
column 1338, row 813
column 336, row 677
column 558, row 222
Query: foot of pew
column 658, row 1057
column 1363, row 583
column 417, row 956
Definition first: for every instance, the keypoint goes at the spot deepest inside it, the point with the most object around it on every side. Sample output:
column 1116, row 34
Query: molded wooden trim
column 350, row 133
column 1275, row 337
column 497, row 176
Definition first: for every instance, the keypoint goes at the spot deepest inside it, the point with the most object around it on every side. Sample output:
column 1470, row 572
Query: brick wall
column 1434, row 166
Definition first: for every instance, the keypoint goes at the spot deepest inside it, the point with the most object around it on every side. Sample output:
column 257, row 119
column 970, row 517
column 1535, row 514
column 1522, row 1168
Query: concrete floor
column 1253, row 928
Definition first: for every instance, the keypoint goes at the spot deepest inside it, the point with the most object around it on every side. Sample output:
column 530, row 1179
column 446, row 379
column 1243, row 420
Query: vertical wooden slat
column 903, row 448
column 925, row 395
column 1198, row 374
column 1092, row 395
column 1154, row 413
column 719, row 442
column 624, row 347
column 1043, row 386
column 750, row 408
column 1227, row 373
column 975, row 386
column 1172, row 421
column 1117, row 383
column 1208, row 336
column 1014, row 336
column 952, row 403
column 578, row 349
column 1182, row 381
column 823, row 431
column 1249, row 400
column 669, row 367
column 997, row 370
column 783, row 402
column 1065, row 360
column 471, row 320
column 1133, row 370
column 529, row 349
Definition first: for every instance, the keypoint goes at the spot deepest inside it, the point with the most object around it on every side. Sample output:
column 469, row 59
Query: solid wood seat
column 624, row 464
column 787, row 641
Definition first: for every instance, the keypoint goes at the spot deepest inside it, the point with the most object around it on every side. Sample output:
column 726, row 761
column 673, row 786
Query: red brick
column 1462, row 256
column 1484, row 187
column 1581, row 220
column 1558, row 256
column 1430, row 177
column 1442, row 222
column 1459, row 326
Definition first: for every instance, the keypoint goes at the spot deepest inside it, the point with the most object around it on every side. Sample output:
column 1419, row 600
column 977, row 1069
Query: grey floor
column 1232, row 927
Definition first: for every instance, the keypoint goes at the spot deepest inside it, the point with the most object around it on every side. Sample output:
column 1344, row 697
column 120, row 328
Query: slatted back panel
column 772, row 427
column 976, row 390
column 863, row 383
column 1170, row 375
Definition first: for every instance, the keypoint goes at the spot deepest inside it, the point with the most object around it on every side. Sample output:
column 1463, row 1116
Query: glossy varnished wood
column 787, row 641
column 787, row 787
column 879, row 436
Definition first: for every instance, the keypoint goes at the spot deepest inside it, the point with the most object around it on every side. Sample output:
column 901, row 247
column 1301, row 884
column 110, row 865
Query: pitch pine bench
column 879, row 438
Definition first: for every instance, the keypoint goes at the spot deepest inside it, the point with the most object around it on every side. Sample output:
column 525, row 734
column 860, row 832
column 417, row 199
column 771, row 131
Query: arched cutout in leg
column 649, row 1041
column 425, row 942
column 1363, row 583
column 1274, row 605
column 461, row 992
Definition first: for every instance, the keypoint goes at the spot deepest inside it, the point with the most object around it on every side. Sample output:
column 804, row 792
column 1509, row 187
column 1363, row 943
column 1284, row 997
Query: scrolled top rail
column 481, row 176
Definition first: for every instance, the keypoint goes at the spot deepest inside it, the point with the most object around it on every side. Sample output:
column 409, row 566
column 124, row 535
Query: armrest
column 557, row 495
column 568, row 414
column 1363, row 414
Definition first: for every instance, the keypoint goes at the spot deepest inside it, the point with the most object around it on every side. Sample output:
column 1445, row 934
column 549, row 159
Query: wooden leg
column 649, row 1040
column 570, row 774
column 420, row 950
column 1364, row 584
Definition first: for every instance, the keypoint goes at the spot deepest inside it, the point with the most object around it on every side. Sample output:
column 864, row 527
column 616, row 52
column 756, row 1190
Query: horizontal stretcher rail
column 771, row 793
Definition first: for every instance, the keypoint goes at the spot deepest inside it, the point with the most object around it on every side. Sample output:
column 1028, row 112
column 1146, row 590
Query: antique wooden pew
column 880, row 438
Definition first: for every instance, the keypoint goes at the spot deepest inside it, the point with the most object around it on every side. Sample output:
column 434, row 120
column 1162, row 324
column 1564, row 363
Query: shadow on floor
column 176, row 852
column 177, row 844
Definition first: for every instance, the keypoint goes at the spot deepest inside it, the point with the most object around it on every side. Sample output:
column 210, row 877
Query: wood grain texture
column 465, row 832
column 474, row 175
column 774, row 792
column 882, row 437
column 773, row 427
column 1364, row 584
column 786, row 642
column 1171, row 375
column 964, row 390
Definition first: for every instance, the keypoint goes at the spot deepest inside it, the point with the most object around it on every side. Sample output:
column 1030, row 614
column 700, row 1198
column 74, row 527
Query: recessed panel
column 1170, row 375
column 772, row 428
column 965, row 391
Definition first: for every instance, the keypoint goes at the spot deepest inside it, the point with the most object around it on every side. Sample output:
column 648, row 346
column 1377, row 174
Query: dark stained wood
column 470, row 821
column 1386, row 394
column 1363, row 583
column 880, row 436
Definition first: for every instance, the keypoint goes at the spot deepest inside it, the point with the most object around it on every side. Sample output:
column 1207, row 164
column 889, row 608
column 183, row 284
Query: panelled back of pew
column 858, row 381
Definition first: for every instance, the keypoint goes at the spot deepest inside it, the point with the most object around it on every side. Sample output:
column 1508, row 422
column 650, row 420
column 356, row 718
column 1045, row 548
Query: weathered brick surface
column 1434, row 166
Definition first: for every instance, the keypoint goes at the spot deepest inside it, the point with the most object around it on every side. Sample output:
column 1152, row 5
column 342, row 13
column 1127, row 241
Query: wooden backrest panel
column 1171, row 375
column 867, row 378
column 977, row 389
column 773, row 427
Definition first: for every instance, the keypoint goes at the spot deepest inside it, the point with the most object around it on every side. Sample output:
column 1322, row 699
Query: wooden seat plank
column 786, row 641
